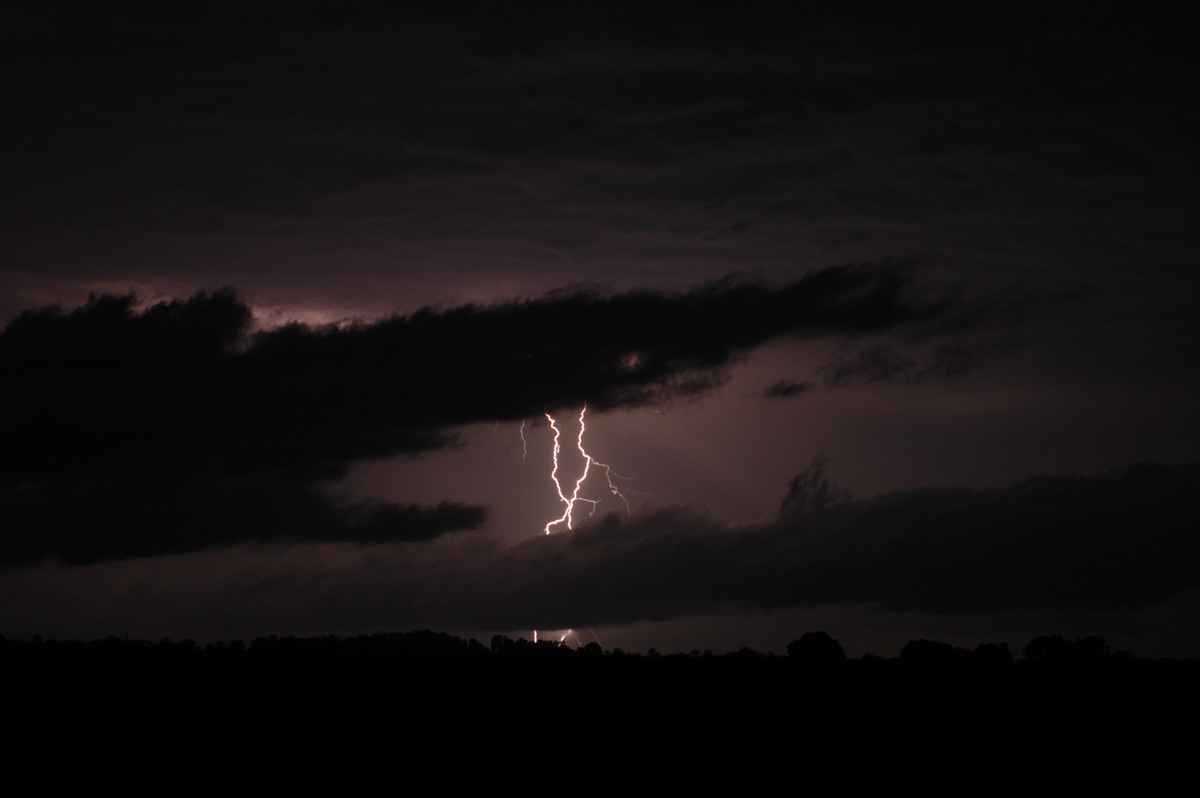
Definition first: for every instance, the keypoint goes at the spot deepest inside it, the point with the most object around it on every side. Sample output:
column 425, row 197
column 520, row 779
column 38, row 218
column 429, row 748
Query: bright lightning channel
column 568, row 513
column 588, row 461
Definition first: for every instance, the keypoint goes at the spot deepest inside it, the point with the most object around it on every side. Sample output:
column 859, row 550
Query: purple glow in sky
column 953, row 254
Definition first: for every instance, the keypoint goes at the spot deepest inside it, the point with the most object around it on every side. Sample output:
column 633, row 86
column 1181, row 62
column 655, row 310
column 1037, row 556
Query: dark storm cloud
column 1122, row 540
column 197, row 117
column 106, row 389
column 140, row 407
column 1116, row 540
column 534, row 143
column 179, row 390
column 135, row 433
column 109, row 519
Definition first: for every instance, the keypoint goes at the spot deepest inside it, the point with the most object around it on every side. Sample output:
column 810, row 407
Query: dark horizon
column 1068, row 714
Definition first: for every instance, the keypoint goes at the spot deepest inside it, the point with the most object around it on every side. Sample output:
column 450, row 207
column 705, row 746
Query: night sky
column 884, row 322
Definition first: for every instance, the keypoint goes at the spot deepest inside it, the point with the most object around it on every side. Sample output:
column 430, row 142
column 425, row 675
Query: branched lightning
column 569, row 501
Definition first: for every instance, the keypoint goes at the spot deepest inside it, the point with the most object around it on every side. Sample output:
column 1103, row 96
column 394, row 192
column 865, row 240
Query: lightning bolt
column 588, row 461
column 569, row 501
column 524, row 445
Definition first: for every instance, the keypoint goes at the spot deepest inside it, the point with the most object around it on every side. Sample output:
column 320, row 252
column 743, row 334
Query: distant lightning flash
column 588, row 461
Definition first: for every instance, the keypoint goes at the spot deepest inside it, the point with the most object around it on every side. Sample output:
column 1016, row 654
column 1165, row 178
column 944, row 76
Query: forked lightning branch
column 569, row 501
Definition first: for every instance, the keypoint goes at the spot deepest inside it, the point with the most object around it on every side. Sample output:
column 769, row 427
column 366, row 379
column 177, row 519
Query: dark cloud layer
column 109, row 519
column 155, row 400
column 1116, row 541
column 121, row 443
column 1120, row 539
column 179, row 390
column 539, row 141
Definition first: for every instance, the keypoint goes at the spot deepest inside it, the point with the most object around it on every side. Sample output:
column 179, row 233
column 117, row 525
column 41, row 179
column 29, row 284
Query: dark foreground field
column 1066, row 717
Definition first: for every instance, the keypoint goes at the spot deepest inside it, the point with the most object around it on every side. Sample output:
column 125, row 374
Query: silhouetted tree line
column 1064, row 707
